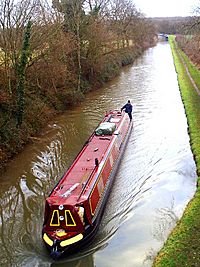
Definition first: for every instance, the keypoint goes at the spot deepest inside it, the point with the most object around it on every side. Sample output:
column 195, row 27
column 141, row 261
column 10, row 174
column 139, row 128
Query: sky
column 166, row 8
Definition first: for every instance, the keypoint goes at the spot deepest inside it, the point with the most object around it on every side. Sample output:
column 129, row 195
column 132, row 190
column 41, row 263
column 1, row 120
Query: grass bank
column 183, row 245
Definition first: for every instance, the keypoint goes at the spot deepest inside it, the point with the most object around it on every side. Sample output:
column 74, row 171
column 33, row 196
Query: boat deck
column 84, row 166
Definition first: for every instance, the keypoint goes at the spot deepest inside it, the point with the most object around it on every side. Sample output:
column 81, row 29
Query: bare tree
column 74, row 21
column 196, row 23
column 13, row 19
column 123, row 18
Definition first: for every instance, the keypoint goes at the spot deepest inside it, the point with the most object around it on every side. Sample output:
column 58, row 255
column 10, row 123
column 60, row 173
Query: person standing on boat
column 128, row 109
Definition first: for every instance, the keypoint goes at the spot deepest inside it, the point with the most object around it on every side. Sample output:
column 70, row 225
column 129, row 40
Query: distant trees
column 122, row 16
column 179, row 25
column 187, row 30
column 171, row 25
column 195, row 21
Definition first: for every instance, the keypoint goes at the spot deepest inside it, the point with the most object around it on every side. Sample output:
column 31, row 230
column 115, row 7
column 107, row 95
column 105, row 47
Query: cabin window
column 69, row 219
column 55, row 218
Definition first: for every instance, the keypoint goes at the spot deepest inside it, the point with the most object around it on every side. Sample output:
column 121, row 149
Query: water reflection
column 157, row 171
column 19, row 212
column 166, row 220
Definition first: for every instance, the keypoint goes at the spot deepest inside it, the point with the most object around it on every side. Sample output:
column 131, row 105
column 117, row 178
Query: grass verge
column 183, row 245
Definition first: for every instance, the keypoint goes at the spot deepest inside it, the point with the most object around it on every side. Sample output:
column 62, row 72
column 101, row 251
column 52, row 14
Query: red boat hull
column 75, row 206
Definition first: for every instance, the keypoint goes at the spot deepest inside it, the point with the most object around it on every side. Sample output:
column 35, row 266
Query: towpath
column 188, row 73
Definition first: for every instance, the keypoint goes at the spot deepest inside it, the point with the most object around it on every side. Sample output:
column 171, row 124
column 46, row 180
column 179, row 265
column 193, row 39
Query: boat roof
column 71, row 188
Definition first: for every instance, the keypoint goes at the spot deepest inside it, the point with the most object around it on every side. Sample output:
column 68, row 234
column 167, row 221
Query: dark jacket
column 128, row 108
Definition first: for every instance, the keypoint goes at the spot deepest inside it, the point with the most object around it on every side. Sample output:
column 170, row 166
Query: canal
column 155, row 180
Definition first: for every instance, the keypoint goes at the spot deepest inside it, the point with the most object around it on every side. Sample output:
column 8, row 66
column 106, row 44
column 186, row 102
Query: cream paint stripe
column 71, row 240
column 111, row 159
column 47, row 240
column 100, row 185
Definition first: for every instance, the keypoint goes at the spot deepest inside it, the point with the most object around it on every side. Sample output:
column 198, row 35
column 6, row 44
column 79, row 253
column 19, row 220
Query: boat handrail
column 85, row 183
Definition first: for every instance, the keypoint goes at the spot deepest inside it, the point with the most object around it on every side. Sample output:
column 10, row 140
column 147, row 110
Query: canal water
column 154, row 182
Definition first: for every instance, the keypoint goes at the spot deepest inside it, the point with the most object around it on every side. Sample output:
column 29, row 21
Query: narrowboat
column 74, row 207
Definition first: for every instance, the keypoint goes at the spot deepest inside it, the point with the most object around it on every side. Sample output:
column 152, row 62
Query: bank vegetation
column 51, row 55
